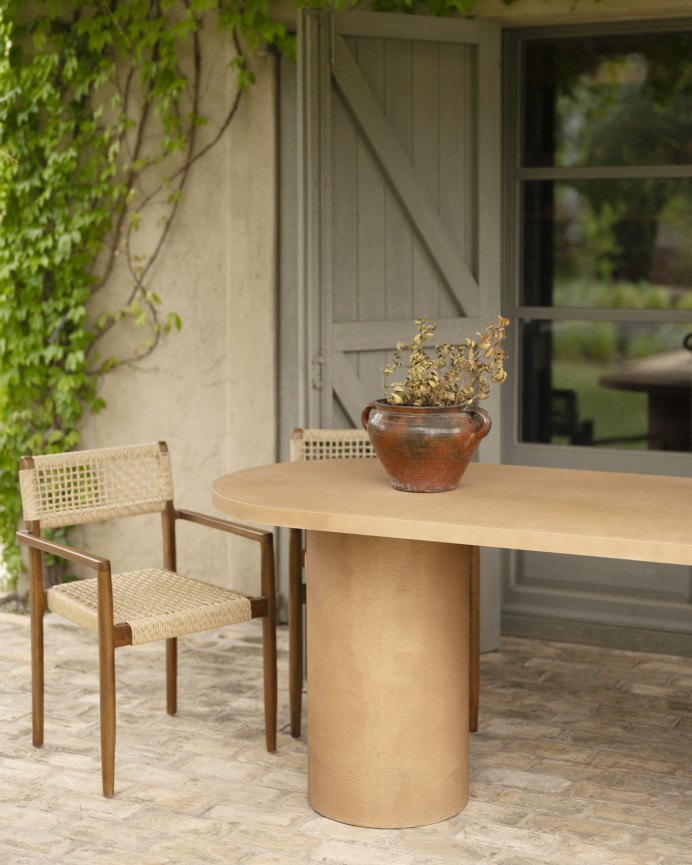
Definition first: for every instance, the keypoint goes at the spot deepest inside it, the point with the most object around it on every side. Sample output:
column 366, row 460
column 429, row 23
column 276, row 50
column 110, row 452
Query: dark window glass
column 616, row 244
column 620, row 100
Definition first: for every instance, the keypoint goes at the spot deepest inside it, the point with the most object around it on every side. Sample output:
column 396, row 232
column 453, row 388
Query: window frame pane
column 515, row 175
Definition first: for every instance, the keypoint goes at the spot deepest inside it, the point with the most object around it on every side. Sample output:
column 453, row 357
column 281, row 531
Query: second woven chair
column 326, row 444
column 139, row 606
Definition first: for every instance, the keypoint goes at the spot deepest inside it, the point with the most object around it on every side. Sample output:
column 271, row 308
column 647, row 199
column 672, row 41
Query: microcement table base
column 388, row 732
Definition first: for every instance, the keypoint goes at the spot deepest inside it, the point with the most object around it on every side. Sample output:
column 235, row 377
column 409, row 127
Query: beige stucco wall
column 209, row 390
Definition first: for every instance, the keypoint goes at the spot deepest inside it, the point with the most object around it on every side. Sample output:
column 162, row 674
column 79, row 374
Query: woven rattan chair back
column 330, row 444
column 89, row 486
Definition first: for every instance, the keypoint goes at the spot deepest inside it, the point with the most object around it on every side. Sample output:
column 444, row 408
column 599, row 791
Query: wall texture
column 209, row 390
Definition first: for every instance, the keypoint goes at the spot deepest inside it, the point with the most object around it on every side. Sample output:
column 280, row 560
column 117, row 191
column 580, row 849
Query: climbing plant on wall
column 99, row 126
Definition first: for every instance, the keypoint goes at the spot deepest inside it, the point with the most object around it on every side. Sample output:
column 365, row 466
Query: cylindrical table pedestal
column 388, row 646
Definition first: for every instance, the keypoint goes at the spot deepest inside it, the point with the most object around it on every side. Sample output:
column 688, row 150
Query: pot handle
column 366, row 414
column 485, row 421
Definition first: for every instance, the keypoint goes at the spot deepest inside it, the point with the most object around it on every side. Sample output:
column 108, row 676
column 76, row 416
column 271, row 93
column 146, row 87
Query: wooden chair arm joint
column 259, row 607
column 122, row 635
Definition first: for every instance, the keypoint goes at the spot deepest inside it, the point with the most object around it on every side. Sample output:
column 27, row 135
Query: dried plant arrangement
column 459, row 375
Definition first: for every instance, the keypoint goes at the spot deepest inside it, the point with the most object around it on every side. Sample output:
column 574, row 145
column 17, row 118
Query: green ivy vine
column 85, row 88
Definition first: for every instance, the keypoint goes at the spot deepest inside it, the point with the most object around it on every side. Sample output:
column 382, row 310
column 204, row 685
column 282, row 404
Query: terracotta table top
column 613, row 515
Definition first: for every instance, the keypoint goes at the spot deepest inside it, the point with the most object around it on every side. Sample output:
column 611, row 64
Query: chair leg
column 295, row 629
column 474, row 635
column 107, row 688
column 172, row 675
column 37, row 670
column 270, row 683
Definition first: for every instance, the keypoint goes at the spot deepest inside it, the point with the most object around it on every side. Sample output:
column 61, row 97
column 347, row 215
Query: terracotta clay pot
column 424, row 449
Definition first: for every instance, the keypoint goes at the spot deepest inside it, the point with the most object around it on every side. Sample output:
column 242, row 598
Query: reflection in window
column 607, row 383
column 609, row 100
column 609, row 244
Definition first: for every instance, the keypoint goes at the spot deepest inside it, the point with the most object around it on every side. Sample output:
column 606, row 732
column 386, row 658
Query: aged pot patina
column 424, row 449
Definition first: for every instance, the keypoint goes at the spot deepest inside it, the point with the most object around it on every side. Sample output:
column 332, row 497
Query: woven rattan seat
column 138, row 606
column 155, row 604
column 324, row 444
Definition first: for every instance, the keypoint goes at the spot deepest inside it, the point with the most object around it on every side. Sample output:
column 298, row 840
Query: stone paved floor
column 583, row 757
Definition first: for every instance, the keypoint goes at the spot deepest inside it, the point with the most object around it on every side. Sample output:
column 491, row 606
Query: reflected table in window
column 387, row 578
column 667, row 381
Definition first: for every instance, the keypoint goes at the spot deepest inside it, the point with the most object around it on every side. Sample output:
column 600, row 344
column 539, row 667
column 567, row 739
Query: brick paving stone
column 322, row 828
column 293, row 844
column 272, row 859
column 681, row 804
column 591, row 854
column 574, row 771
column 106, row 856
column 507, row 759
column 512, row 857
column 518, row 727
column 584, row 829
column 486, row 837
column 656, row 819
column 593, row 655
column 552, row 750
column 671, row 665
column 636, row 763
column 543, row 803
column 672, row 844
column 530, row 781
column 355, row 854
column 201, row 851
column 608, row 793
column 583, row 757
column 172, row 800
column 440, row 849
column 633, row 715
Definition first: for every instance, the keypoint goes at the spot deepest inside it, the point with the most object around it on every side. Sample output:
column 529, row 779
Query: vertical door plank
column 399, row 234
column 344, row 216
column 372, row 193
column 459, row 154
column 426, row 130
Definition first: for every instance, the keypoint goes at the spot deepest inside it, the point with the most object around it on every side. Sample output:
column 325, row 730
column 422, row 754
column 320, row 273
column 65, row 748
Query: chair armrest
column 224, row 525
column 96, row 563
column 266, row 542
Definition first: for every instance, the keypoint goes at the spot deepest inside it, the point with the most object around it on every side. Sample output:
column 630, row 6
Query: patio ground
column 584, row 755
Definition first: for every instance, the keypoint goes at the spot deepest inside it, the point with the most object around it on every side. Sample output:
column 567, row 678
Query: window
column 601, row 175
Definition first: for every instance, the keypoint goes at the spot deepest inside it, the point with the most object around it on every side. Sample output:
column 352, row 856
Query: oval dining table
column 388, row 605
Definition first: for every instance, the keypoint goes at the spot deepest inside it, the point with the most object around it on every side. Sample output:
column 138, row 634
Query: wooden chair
column 139, row 606
column 323, row 444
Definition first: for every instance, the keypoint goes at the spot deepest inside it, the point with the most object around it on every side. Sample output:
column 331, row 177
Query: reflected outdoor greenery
column 605, row 242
